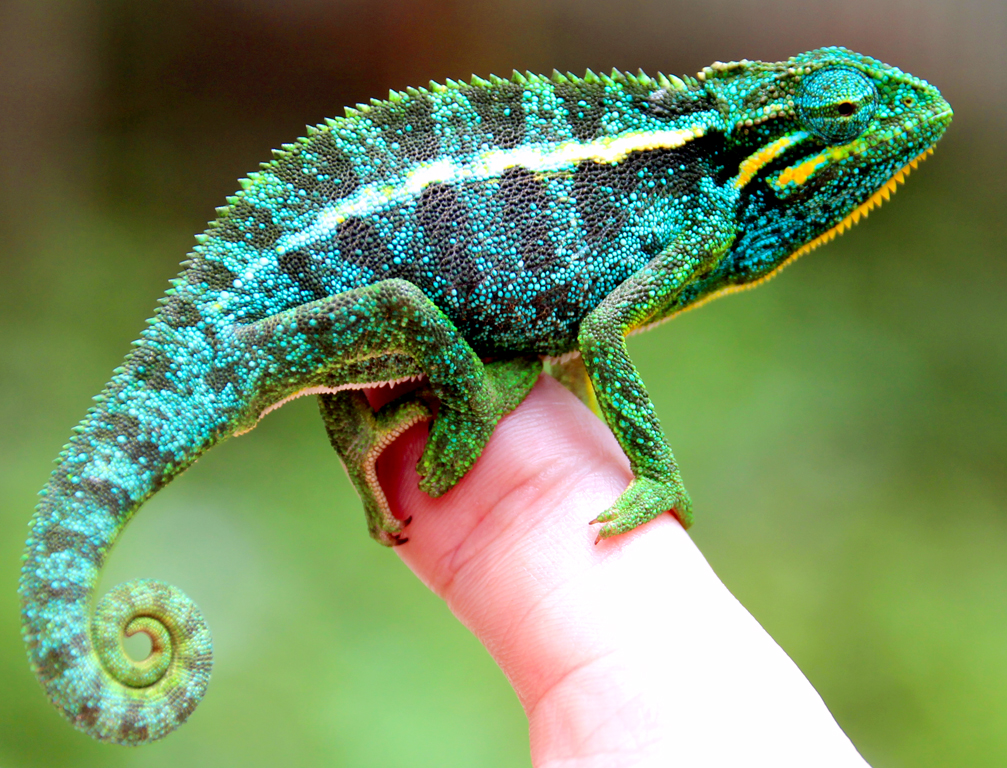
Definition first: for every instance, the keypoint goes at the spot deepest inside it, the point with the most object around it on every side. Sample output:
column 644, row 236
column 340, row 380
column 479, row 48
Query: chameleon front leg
column 309, row 345
column 622, row 398
column 359, row 435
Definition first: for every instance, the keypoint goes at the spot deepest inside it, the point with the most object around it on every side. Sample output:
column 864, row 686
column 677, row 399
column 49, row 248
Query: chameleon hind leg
column 359, row 434
column 342, row 340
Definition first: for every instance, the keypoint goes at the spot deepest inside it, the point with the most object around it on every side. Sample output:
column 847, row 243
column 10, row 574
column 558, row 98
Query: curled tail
column 146, row 428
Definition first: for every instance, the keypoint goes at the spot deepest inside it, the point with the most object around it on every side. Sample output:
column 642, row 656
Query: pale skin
column 627, row 653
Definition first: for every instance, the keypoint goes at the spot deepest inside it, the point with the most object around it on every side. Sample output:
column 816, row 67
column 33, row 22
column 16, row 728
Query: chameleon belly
column 458, row 233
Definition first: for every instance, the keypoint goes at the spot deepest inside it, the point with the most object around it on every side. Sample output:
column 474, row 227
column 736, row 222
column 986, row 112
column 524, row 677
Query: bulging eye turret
column 836, row 104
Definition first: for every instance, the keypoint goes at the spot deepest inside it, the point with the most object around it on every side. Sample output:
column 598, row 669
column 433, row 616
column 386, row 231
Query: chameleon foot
column 457, row 437
column 644, row 500
column 359, row 436
column 454, row 444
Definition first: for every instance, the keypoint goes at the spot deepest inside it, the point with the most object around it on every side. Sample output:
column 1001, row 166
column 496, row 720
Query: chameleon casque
column 464, row 234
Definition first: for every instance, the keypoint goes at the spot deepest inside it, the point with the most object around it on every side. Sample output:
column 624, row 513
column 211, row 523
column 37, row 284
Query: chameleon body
column 463, row 234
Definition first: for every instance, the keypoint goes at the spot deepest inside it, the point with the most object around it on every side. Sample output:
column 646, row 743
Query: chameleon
column 463, row 235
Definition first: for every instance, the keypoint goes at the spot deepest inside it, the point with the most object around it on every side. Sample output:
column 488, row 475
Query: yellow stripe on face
column 537, row 158
column 800, row 173
column 756, row 161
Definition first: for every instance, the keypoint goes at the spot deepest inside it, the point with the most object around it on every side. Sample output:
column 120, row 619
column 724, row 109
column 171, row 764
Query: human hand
column 626, row 653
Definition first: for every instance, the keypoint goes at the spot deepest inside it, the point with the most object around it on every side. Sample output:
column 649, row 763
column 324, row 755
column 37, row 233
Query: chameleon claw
column 642, row 501
column 604, row 517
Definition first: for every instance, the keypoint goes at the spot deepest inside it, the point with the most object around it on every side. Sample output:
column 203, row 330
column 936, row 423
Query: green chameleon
column 464, row 234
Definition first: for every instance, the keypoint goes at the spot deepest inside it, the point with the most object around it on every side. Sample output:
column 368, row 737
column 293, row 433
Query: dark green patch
column 154, row 459
column 60, row 539
column 88, row 716
column 558, row 303
column 184, row 708
column 55, row 662
column 447, row 232
column 209, row 272
column 66, row 593
column 300, row 268
column 219, row 377
column 602, row 190
column 360, row 242
column 601, row 216
column 500, row 109
column 410, row 124
column 526, row 202
column 320, row 170
column 180, row 313
column 129, row 731
column 151, row 366
column 585, row 105
column 110, row 425
column 247, row 223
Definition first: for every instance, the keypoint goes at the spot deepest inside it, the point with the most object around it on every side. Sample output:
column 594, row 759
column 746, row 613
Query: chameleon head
column 819, row 141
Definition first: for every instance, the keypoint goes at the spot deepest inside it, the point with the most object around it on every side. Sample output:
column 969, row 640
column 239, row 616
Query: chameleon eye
column 836, row 104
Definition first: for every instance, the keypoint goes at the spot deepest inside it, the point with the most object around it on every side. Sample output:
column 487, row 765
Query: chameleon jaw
column 882, row 195
column 752, row 164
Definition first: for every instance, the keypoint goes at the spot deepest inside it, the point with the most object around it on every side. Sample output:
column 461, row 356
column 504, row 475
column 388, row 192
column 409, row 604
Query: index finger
column 634, row 641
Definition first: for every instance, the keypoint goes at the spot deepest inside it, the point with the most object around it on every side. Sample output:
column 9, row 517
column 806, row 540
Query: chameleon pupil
column 846, row 109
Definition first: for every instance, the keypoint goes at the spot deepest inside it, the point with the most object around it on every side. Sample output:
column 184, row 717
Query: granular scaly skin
column 462, row 234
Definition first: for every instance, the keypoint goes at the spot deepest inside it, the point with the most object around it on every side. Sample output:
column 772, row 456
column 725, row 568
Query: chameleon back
column 516, row 206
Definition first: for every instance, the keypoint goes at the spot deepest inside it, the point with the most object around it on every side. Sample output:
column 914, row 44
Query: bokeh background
column 841, row 429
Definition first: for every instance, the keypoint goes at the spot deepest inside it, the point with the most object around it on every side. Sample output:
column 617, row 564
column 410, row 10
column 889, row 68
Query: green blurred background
column 841, row 430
